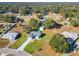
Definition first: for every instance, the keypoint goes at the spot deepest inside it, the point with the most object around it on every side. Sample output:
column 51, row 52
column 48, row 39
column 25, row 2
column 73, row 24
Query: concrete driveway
column 24, row 44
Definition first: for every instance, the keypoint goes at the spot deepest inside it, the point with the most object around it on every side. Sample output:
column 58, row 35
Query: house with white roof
column 35, row 35
column 11, row 35
column 70, row 35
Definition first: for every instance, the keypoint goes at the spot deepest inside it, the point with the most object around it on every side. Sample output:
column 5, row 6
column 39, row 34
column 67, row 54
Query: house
column 11, row 35
column 70, row 40
column 71, row 36
column 35, row 35
column 42, row 19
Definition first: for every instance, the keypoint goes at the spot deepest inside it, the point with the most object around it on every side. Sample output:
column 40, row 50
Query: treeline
column 67, row 10
column 7, row 18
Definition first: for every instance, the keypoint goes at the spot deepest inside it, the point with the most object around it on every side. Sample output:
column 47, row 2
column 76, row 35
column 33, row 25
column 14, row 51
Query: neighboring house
column 71, row 36
column 10, row 13
column 11, row 35
column 35, row 35
column 42, row 19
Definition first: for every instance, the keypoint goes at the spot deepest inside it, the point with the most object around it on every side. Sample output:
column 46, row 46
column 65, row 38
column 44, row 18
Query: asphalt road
column 12, row 52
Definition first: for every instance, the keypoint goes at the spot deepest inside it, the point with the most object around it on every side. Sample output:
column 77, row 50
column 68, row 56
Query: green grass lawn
column 19, row 41
column 38, row 44
column 1, row 30
column 34, row 46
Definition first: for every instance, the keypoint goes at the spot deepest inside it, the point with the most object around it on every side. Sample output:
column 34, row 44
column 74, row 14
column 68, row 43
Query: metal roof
column 10, row 35
column 35, row 34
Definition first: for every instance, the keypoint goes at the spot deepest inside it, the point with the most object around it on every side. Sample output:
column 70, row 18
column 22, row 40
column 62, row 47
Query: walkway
column 24, row 44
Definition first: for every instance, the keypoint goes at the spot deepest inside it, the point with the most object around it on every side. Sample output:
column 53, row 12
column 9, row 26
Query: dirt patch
column 75, row 54
column 19, row 29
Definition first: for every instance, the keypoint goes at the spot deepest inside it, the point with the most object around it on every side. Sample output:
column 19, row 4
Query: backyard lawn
column 38, row 45
column 19, row 41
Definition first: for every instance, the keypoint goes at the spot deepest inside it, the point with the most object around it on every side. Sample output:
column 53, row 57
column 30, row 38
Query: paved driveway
column 24, row 44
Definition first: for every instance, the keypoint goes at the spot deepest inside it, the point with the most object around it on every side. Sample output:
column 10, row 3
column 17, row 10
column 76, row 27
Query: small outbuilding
column 42, row 19
column 41, row 28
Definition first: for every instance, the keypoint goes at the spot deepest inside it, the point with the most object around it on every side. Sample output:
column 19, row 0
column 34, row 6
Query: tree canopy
column 75, row 23
column 34, row 23
column 59, row 43
column 7, row 18
column 49, row 23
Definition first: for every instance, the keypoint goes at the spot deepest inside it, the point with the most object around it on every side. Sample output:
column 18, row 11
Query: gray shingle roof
column 35, row 34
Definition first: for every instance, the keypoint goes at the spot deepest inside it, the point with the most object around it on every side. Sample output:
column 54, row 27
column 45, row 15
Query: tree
column 48, row 23
column 7, row 18
column 34, row 23
column 59, row 43
column 28, row 29
column 23, row 10
column 75, row 23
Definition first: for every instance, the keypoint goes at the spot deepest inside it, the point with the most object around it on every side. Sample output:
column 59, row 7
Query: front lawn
column 19, row 41
column 34, row 46
column 38, row 45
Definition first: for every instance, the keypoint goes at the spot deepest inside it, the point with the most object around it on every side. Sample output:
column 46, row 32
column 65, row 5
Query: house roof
column 10, row 35
column 70, row 35
column 70, row 40
column 42, row 19
column 35, row 34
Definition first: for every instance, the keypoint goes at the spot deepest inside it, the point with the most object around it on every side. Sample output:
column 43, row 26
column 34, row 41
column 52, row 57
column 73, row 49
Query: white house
column 35, row 35
column 11, row 35
column 70, row 35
